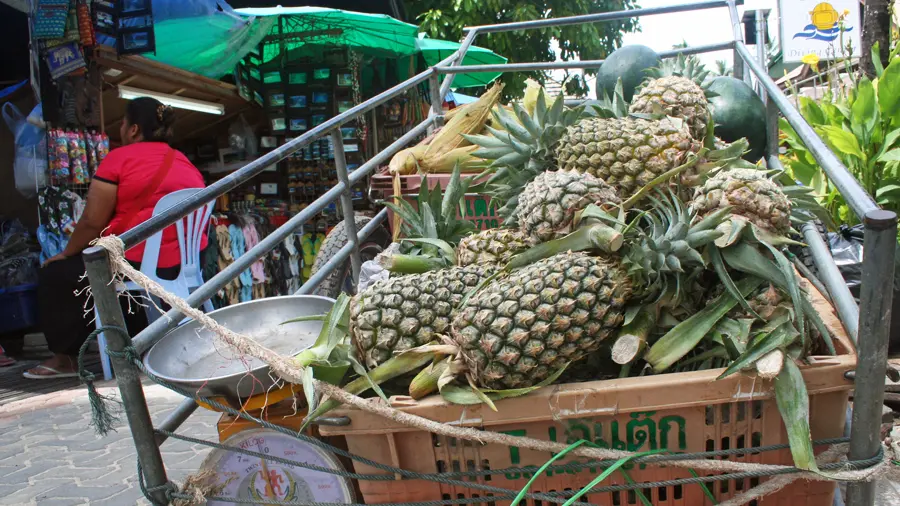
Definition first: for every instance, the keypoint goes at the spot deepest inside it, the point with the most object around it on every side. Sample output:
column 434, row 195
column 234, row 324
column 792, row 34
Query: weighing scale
column 192, row 358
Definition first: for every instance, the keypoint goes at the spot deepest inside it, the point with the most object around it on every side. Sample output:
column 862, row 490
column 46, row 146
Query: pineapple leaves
column 718, row 264
column 685, row 336
column 793, row 403
column 780, row 338
column 471, row 395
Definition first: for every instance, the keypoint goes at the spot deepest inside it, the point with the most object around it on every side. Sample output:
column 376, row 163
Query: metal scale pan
column 192, row 358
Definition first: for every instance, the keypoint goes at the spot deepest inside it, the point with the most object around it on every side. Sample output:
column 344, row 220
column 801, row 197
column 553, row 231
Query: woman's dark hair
column 154, row 119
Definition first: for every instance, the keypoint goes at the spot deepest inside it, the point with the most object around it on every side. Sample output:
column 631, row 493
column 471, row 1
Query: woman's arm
column 98, row 211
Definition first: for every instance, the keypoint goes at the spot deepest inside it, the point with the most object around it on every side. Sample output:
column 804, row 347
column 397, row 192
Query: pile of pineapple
column 634, row 242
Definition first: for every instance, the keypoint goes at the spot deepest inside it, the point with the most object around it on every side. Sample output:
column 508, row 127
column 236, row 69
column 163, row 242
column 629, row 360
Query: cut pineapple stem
column 426, row 382
column 640, row 194
column 770, row 365
column 632, row 337
column 593, row 236
column 410, row 264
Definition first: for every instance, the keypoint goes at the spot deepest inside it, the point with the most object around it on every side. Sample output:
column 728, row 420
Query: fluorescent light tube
column 129, row 93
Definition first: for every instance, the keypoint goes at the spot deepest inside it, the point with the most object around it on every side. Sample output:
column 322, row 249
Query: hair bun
column 166, row 115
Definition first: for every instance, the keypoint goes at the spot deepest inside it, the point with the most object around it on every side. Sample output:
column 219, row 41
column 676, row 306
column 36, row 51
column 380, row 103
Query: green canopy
column 216, row 43
column 435, row 50
column 303, row 31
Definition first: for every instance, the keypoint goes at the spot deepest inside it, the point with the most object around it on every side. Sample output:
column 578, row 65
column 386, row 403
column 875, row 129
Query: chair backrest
column 190, row 231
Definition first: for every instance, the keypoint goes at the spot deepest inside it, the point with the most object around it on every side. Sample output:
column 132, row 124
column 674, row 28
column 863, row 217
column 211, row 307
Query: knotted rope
column 293, row 373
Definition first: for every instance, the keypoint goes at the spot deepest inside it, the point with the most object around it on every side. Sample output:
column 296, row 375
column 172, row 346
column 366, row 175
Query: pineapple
column 493, row 246
column 521, row 327
column 519, row 330
column 401, row 313
column 751, row 194
column 521, row 147
column 676, row 88
column 547, row 205
column 626, row 153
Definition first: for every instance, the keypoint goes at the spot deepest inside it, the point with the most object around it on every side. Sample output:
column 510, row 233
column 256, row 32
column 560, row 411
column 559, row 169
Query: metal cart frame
column 868, row 324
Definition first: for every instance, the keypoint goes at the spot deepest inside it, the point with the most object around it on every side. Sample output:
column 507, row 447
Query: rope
column 293, row 373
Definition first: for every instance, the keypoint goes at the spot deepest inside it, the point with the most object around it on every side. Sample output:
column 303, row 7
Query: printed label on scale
column 249, row 477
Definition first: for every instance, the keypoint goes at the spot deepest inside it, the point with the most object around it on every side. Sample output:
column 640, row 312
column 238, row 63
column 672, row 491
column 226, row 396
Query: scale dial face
column 252, row 478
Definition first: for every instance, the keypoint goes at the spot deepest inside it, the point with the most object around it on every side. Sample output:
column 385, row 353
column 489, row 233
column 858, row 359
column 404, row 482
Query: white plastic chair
column 190, row 235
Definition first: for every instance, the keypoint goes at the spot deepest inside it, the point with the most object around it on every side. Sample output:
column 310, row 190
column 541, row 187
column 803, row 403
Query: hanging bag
column 30, row 165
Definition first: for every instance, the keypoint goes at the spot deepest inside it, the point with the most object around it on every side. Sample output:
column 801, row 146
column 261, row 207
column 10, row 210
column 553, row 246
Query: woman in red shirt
column 124, row 191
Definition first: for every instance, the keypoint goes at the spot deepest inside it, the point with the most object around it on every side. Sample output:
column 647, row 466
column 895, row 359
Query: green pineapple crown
column 522, row 149
column 688, row 67
column 662, row 246
column 432, row 228
column 610, row 107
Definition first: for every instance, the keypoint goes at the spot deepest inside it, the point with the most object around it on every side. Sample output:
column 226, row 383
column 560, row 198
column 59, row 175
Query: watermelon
column 628, row 63
column 739, row 112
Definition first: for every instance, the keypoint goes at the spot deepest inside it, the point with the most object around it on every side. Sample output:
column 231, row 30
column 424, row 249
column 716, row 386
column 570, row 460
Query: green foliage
column 445, row 19
column 862, row 128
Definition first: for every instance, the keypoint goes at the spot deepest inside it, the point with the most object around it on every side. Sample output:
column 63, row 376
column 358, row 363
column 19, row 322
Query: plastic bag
column 371, row 271
column 30, row 166
column 846, row 247
column 242, row 139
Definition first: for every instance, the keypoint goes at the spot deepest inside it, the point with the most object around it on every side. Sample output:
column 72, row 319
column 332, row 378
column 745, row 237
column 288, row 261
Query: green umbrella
column 303, row 31
column 435, row 50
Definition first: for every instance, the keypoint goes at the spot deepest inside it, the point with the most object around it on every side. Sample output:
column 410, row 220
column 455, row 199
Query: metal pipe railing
column 568, row 65
column 602, row 16
column 740, row 61
column 341, row 256
column 876, row 301
column 857, row 198
column 340, row 165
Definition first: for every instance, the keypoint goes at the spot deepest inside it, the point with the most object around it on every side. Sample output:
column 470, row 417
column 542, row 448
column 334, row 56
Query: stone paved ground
column 49, row 456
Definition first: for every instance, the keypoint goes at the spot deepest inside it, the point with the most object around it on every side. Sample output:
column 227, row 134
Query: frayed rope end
column 103, row 416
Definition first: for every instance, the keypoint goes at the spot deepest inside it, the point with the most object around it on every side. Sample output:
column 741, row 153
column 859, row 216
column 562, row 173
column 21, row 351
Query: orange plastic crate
column 479, row 208
column 683, row 412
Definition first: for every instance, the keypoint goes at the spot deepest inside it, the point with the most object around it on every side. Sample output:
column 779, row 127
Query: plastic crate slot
column 756, row 440
column 726, row 413
column 710, row 447
column 726, row 445
column 648, row 493
column 741, row 411
column 536, row 502
column 741, row 443
column 470, row 467
column 662, row 493
column 435, row 440
column 441, row 466
column 723, row 486
column 461, row 496
column 456, row 467
column 757, row 410
column 486, row 466
column 616, row 498
column 491, row 503
column 445, row 497
column 676, row 492
column 710, row 415
column 551, row 503
column 452, row 442
column 753, row 503
column 738, row 485
column 476, row 496
column 632, row 497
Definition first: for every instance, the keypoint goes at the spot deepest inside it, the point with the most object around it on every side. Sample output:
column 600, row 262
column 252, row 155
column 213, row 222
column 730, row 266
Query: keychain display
column 74, row 156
